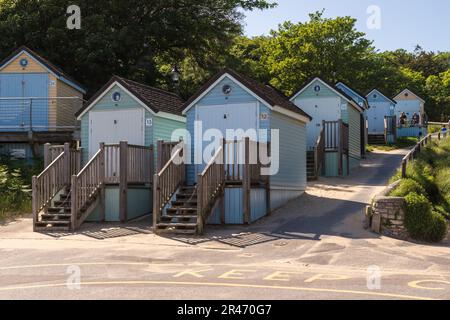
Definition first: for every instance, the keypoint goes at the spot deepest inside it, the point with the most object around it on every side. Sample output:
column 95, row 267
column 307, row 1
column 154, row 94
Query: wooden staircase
column 376, row 139
column 57, row 216
column 181, row 216
column 311, row 166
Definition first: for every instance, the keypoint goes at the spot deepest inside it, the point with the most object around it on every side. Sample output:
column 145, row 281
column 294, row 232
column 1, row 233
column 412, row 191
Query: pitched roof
column 155, row 99
column 266, row 92
column 406, row 89
column 54, row 69
column 375, row 89
column 362, row 96
column 329, row 84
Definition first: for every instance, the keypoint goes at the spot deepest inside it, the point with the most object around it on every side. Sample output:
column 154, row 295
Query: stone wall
column 386, row 215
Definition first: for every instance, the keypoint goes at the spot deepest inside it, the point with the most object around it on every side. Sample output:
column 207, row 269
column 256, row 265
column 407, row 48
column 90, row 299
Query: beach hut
column 236, row 192
column 109, row 177
column 364, row 104
column 410, row 103
column 334, row 134
column 37, row 103
column 380, row 116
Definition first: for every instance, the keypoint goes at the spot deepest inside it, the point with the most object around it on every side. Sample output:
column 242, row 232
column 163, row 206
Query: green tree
column 123, row 37
column 331, row 48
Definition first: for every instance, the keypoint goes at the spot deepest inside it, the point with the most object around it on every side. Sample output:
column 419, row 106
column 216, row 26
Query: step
column 179, row 216
column 55, row 216
column 186, row 196
column 182, row 209
column 188, row 204
column 178, row 231
column 52, row 222
column 64, row 196
column 59, row 203
column 52, row 229
column 58, row 209
column 176, row 225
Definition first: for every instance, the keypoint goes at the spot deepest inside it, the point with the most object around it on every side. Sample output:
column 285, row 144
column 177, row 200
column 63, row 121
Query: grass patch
column 427, row 177
column 15, row 186
column 402, row 143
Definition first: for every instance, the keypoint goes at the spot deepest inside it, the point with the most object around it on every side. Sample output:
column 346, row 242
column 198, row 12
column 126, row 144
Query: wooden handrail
column 85, row 186
column 165, row 184
column 210, row 186
column 319, row 153
column 53, row 179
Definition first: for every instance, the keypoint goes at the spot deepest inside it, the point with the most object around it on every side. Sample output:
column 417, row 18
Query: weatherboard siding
column 292, row 152
column 15, row 67
column 310, row 92
column 354, row 136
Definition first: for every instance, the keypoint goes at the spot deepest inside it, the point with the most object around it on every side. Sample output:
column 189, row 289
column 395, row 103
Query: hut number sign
column 148, row 122
column 264, row 116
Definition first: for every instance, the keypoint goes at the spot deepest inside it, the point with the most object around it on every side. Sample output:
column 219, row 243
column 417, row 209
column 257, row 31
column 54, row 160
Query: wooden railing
column 319, row 153
column 414, row 152
column 85, row 187
column 166, row 182
column 390, row 128
column 164, row 150
column 54, row 178
column 332, row 133
column 112, row 163
column 210, row 186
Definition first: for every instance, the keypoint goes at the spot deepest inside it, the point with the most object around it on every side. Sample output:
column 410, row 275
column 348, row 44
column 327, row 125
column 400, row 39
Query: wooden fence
column 414, row 152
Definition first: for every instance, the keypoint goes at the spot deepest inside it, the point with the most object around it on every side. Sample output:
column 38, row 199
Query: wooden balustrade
column 332, row 134
column 166, row 182
column 112, row 163
column 85, row 187
column 55, row 177
column 319, row 153
column 164, row 152
column 210, row 186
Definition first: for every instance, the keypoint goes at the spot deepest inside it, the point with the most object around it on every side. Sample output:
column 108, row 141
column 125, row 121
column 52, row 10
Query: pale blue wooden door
column 12, row 107
column 36, row 87
column 17, row 108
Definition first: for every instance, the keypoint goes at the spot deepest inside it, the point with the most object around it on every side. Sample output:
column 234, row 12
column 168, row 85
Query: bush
column 418, row 215
column 421, row 222
column 437, row 229
column 406, row 187
column 15, row 195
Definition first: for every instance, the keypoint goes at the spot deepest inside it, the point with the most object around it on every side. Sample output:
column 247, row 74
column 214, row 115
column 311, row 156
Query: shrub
column 437, row 229
column 15, row 197
column 407, row 186
column 421, row 222
column 418, row 215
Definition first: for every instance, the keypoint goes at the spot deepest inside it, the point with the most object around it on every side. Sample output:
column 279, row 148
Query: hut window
column 226, row 89
column 24, row 62
column 116, row 96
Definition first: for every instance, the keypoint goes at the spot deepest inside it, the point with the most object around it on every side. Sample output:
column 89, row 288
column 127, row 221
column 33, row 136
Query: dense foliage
column 143, row 39
column 427, row 191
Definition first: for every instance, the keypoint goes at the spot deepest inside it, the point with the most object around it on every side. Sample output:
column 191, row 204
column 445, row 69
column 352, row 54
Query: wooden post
column 156, row 204
column 67, row 170
column 246, row 185
column 34, row 197
column 404, row 163
column 268, row 204
column 123, row 183
column 74, row 209
column 340, row 151
column 222, row 200
column 159, row 155
column 102, row 211
column 47, row 155
column 200, row 194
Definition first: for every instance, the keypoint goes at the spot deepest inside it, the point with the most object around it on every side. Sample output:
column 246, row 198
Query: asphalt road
column 313, row 248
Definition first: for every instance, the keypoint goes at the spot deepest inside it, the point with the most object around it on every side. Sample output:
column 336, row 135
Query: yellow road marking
column 218, row 284
column 416, row 284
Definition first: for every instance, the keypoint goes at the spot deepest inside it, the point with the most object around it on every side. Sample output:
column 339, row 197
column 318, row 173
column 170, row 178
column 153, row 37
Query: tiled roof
column 155, row 99
column 56, row 70
column 265, row 92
